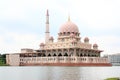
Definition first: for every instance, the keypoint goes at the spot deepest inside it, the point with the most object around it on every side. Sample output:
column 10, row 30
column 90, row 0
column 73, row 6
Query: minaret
column 47, row 28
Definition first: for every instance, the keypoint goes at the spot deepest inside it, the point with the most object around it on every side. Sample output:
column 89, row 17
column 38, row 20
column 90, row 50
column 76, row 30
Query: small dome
column 51, row 38
column 69, row 27
column 95, row 45
column 86, row 39
column 42, row 44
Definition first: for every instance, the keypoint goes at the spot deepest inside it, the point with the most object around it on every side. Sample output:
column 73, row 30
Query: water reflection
column 58, row 73
column 65, row 73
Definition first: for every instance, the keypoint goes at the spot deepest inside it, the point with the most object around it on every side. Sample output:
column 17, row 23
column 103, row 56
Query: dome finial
column 69, row 18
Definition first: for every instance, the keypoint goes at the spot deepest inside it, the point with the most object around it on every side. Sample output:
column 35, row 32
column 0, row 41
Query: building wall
column 114, row 59
column 26, row 50
column 17, row 59
column 13, row 59
column 57, row 45
column 71, row 52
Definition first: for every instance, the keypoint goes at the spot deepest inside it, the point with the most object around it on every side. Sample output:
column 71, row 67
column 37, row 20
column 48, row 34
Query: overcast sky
column 22, row 22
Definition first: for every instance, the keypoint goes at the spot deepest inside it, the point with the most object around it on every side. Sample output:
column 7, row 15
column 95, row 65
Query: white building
column 114, row 59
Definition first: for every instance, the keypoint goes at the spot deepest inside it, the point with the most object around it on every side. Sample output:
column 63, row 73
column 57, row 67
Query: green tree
column 2, row 59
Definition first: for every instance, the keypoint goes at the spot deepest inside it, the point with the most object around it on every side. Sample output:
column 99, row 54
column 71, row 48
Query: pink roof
column 42, row 44
column 69, row 27
column 95, row 45
column 86, row 39
column 51, row 38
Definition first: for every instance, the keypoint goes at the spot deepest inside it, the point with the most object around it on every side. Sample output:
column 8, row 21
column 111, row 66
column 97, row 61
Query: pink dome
column 69, row 27
column 95, row 45
column 86, row 39
column 42, row 44
column 51, row 38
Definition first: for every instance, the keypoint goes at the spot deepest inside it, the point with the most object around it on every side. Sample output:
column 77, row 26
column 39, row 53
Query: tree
column 2, row 58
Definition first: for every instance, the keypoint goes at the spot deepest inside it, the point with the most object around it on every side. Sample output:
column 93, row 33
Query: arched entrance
column 59, row 54
column 65, row 54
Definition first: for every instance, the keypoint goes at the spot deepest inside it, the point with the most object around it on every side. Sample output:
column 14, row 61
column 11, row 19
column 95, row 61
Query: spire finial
column 69, row 18
column 47, row 14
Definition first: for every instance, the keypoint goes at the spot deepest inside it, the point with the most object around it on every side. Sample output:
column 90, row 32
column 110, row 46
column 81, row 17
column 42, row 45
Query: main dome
column 69, row 27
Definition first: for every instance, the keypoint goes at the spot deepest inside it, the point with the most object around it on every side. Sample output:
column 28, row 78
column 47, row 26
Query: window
column 62, row 40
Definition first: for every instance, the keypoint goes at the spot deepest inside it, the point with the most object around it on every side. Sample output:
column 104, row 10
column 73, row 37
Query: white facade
column 114, row 59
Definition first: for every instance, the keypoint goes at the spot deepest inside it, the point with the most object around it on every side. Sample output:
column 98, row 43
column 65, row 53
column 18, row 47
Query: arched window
column 54, row 54
column 43, row 55
column 77, row 54
column 88, row 55
column 59, row 54
column 39, row 54
column 49, row 54
column 65, row 54
column 81, row 55
column 85, row 55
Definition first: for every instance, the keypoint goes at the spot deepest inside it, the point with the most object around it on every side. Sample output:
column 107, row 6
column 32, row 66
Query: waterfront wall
column 37, row 60
column 16, row 60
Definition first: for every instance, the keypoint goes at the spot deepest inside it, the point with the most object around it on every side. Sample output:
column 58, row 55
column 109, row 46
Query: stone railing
column 63, row 60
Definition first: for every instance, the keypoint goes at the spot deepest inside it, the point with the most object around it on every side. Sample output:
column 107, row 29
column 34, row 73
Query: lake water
column 58, row 73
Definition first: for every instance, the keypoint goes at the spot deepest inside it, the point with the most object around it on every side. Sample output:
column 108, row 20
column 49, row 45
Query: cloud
column 13, row 42
column 109, row 43
column 96, row 14
column 22, row 22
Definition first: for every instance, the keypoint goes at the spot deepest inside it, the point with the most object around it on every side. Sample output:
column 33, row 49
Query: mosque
column 68, row 50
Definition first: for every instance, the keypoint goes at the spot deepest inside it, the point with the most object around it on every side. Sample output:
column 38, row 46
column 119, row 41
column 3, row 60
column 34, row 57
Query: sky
column 22, row 22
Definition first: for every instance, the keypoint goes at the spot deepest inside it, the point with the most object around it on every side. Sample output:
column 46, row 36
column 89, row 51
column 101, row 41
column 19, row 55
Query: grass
column 4, row 65
column 112, row 79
